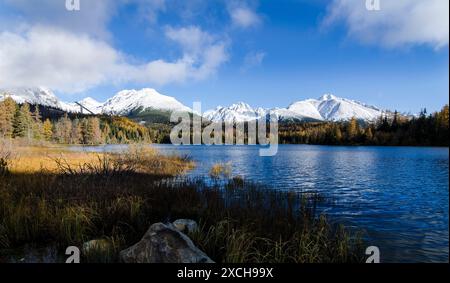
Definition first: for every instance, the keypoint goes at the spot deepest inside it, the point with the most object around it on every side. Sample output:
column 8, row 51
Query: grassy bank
column 116, row 197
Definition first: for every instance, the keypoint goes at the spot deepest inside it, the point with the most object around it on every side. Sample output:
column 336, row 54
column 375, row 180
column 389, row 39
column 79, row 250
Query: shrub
column 220, row 170
column 5, row 157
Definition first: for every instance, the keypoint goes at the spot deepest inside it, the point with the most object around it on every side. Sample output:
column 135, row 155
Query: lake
column 398, row 195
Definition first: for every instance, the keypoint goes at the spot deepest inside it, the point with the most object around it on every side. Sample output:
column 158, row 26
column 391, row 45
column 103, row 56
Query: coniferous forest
column 32, row 122
column 424, row 130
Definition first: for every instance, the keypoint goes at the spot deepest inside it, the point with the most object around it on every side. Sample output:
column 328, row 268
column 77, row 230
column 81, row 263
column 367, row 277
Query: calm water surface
column 398, row 195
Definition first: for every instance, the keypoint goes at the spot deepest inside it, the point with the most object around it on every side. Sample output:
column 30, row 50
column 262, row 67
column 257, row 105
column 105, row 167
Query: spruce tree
column 395, row 121
column 23, row 123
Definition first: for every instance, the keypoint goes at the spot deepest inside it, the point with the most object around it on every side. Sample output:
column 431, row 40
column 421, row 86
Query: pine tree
column 23, row 123
column 76, row 136
column 8, row 108
column 37, row 123
column 443, row 118
column 93, row 132
column 63, row 130
column 352, row 129
column 105, row 133
column 4, row 125
column 47, row 130
column 395, row 121
column 36, row 114
column 368, row 134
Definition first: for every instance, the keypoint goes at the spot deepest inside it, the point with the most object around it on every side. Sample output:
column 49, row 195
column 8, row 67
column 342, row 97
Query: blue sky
column 266, row 53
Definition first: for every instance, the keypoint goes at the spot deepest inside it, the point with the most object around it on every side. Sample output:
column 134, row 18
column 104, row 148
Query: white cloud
column 244, row 17
column 92, row 18
column 252, row 60
column 60, row 60
column 68, row 62
column 191, row 38
column 200, row 48
column 149, row 9
column 43, row 44
column 398, row 23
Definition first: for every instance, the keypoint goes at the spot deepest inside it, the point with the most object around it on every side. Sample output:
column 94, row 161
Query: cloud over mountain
column 69, row 62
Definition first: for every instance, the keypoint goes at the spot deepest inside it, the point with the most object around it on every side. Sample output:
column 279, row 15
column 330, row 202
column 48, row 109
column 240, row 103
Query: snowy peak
column 241, row 107
column 304, row 109
column 127, row 101
column 92, row 105
column 38, row 95
column 123, row 103
column 327, row 96
column 326, row 108
column 89, row 101
column 237, row 112
column 333, row 108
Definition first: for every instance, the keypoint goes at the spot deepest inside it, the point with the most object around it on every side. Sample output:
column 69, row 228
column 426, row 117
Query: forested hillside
column 424, row 130
column 32, row 122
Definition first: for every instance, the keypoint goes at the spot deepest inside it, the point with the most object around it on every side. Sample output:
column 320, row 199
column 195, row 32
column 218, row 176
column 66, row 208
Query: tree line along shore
column 33, row 122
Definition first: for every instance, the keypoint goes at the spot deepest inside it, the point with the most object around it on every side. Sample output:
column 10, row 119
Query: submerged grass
column 117, row 198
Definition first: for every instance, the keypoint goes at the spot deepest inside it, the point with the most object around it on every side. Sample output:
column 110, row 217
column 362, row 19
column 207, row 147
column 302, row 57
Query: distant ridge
column 326, row 108
column 126, row 102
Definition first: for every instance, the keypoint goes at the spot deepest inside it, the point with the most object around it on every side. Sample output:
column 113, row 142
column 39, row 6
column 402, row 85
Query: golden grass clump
column 221, row 170
column 60, row 160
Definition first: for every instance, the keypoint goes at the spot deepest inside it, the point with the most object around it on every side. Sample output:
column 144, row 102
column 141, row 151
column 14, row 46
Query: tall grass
column 119, row 197
column 137, row 159
column 5, row 156
column 220, row 170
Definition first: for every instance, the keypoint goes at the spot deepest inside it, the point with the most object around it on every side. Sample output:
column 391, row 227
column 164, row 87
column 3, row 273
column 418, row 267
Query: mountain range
column 326, row 108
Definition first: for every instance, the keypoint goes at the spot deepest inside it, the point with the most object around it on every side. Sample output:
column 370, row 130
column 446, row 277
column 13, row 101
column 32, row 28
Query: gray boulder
column 164, row 244
column 185, row 225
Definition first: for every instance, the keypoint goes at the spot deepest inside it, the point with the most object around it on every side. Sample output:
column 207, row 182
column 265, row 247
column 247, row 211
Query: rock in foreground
column 164, row 244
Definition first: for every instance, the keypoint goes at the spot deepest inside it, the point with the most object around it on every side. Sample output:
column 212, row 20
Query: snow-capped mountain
column 88, row 103
column 326, row 108
column 305, row 109
column 333, row 108
column 92, row 104
column 237, row 112
column 122, row 103
column 38, row 95
column 44, row 96
column 127, row 101
column 242, row 112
